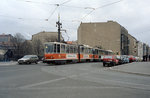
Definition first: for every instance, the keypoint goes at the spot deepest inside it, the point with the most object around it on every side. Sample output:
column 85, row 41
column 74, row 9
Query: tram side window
column 54, row 48
column 100, row 52
column 75, row 49
column 91, row 51
column 67, row 49
column 86, row 50
column 82, row 49
column 96, row 51
column 62, row 48
column 71, row 49
column 58, row 48
column 103, row 52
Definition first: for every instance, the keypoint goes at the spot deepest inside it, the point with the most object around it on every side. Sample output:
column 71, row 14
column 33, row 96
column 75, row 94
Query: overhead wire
column 52, row 12
column 65, row 2
column 20, row 18
column 28, row 1
column 73, row 6
column 93, row 9
column 57, row 6
column 109, row 4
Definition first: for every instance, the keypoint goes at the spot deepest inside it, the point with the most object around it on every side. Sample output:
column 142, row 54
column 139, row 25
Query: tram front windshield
column 49, row 48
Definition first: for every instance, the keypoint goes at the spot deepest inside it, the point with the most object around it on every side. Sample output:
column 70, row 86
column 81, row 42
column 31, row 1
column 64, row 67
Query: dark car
column 28, row 59
column 110, row 60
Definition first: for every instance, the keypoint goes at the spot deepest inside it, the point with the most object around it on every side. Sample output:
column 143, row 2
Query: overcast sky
column 29, row 18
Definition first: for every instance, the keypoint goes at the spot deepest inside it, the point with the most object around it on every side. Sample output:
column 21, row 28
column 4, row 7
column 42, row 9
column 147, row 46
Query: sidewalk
column 139, row 68
column 8, row 63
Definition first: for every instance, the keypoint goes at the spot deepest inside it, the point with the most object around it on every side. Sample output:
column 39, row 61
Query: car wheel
column 110, row 65
column 104, row 64
column 28, row 62
column 36, row 62
column 114, row 64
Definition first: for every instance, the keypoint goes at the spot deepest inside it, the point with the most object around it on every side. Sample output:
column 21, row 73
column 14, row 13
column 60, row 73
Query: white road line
column 41, row 83
column 8, row 64
column 49, row 81
column 14, row 70
column 71, row 87
column 118, row 83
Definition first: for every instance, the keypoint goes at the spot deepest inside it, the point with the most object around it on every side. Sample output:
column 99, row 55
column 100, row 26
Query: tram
column 61, row 53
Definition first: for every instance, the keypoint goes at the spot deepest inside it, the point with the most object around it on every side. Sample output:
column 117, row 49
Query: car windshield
column 108, row 57
column 27, row 56
column 118, row 56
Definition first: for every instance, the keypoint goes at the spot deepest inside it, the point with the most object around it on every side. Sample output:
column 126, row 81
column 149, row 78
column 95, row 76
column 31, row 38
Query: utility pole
column 59, row 25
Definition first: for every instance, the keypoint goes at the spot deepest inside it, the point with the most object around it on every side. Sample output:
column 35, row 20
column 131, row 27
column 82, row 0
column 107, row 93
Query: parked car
column 131, row 58
column 28, row 59
column 125, row 59
column 120, row 58
column 137, row 59
column 110, row 60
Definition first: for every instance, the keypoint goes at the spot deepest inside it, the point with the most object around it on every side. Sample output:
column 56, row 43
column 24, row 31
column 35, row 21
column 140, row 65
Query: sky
column 29, row 17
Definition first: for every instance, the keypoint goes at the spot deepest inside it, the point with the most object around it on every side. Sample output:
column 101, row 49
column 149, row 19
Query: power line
column 57, row 6
column 109, row 4
column 73, row 6
column 53, row 12
column 21, row 18
column 93, row 9
column 88, row 14
column 35, row 2
column 65, row 2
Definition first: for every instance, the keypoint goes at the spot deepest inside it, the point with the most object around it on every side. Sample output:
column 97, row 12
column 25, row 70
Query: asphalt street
column 81, row 80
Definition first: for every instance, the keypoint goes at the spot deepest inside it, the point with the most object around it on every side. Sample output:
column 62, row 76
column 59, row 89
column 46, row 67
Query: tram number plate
column 71, row 56
column 85, row 56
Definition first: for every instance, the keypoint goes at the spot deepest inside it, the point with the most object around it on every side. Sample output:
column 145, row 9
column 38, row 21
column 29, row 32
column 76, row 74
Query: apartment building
column 133, row 45
column 106, row 35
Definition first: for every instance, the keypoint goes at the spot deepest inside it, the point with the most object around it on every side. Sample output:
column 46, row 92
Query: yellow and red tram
column 56, row 52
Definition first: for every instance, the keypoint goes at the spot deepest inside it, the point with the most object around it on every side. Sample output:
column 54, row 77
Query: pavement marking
column 118, row 83
column 135, row 73
column 71, row 87
column 41, row 83
column 50, row 81
column 14, row 70
column 8, row 64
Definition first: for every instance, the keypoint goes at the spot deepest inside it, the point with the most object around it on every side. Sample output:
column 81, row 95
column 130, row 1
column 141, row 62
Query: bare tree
column 17, row 44
column 38, row 47
column 27, row 48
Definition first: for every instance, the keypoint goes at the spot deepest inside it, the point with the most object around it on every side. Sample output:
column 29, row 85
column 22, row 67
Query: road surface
column 81, row 80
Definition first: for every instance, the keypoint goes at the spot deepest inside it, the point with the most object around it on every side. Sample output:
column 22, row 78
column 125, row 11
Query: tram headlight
column 51, row 57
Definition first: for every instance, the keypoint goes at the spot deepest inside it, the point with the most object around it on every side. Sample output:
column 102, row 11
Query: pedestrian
column 146, row 58
column 143, row 58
